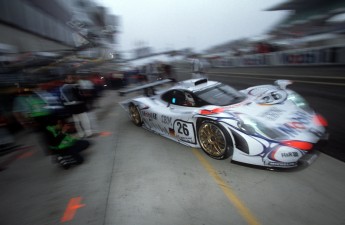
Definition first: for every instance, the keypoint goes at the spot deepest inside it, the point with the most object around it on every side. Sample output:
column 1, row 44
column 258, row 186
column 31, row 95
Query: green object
column 66, row 139
column 36, row 106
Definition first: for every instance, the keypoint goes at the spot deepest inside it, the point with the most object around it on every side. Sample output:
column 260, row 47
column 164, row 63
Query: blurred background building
column 41, row 40
column 313, row 22
column 313, row 32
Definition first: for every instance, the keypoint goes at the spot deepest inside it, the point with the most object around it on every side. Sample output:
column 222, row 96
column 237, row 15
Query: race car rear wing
column 148, row 88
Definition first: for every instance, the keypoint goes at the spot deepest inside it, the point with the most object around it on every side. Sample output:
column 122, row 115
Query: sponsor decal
column 282, row 163
column 290, row 128
column 298, row 58
column 272, row 114
column 302, row 117
column 166, row 119
column 149, row 115
column 298, row 123
column 289, row 154
column 188, row 139
column 172, row 132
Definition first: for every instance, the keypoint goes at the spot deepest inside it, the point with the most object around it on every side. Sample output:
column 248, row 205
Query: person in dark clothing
column 63, row 145
column 76, row 105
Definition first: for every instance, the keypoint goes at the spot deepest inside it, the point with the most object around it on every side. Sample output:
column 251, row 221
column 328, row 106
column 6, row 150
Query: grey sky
column 199, row 24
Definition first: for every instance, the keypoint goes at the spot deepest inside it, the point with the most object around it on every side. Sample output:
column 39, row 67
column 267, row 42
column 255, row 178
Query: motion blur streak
column 297, row 81
column 243, row 210
column 25, row 155
column 71, row 209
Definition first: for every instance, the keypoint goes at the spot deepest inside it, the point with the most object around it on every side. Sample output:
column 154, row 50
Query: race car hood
column 280, row 110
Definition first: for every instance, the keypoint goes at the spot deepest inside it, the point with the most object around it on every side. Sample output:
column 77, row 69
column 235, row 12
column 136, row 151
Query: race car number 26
column 184, row 131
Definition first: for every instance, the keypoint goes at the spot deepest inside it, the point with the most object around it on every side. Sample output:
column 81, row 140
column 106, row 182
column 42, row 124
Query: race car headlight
column 320, row 120
column 306, row 146
column 299, row 101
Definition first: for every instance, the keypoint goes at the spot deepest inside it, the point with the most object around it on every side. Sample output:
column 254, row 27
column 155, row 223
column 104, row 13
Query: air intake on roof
column 200, row 81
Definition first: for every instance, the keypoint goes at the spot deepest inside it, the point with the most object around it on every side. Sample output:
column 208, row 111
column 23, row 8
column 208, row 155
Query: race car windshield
column 221, row 95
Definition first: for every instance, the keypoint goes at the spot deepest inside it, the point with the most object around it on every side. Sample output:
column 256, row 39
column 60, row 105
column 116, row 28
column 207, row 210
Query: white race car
column 266, row 125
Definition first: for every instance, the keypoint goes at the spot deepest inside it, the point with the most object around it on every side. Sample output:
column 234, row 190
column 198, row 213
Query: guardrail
column 321, row 56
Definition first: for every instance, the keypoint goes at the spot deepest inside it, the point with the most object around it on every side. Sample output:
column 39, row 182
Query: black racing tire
column 135, row 115
column 215, row 140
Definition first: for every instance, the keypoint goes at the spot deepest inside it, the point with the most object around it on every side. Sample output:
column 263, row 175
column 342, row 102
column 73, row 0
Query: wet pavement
column 131, row 176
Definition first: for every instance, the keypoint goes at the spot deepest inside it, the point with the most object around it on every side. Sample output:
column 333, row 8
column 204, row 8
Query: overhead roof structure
column 309, row 17
column 294, row 4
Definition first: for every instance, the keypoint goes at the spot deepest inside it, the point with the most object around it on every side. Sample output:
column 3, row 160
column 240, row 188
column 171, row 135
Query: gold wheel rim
column 212, row 139
column 134, row 114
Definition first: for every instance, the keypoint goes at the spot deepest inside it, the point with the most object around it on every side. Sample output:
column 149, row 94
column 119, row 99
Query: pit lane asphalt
column 132, row 176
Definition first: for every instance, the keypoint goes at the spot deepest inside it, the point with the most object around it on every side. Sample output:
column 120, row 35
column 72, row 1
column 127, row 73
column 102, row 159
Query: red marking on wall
column 25, row 155
column 105, row 133
column 19, row 153
column 71, row 209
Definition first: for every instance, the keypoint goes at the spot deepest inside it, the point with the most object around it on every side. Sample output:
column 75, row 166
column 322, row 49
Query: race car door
column 177, row 117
